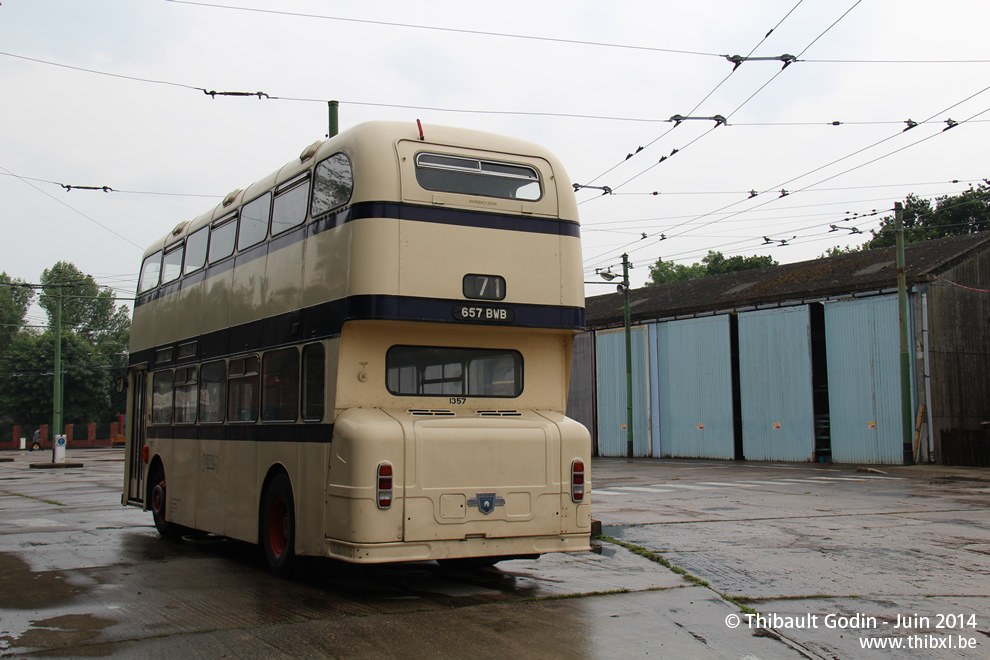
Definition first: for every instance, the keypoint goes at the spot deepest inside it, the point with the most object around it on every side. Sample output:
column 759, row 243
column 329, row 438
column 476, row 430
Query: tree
column 95, row 336
column 837, row 250
column 15, row 298
column 950, row 215
column 85, row 309
column 715, row 263
column 26, row 387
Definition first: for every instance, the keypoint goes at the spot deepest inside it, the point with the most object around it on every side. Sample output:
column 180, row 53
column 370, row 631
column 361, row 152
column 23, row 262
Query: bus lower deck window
column 438, row 371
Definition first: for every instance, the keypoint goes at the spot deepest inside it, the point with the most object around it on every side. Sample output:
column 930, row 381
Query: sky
column 110, row 93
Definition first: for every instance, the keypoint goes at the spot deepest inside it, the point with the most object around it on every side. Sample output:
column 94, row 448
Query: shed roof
column 843, row 275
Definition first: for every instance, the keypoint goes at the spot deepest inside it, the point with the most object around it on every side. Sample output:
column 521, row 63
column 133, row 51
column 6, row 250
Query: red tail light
column 384, row 485
column 577, row 480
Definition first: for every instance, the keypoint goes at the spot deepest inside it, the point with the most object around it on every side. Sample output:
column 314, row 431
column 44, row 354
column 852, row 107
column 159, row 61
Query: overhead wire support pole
column 57, row 388
column 903, row 317
column 629, row 389
column 333, row 110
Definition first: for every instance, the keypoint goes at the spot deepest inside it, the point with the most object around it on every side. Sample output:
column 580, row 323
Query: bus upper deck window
column 196, row 249
column 254, row 221
column 151, row 271
column 222, row 236
column 172, row 266
column 476, row 176
column 333, row 185
column 290, row 205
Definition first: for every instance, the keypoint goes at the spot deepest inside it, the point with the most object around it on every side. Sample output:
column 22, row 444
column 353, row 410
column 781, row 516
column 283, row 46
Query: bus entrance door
column 473, row 476
column 137, row 437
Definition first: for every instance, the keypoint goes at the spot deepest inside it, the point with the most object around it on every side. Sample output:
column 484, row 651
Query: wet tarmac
column 693, row 547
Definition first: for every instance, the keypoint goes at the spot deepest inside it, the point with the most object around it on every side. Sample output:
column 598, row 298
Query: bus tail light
column 384, row 485
column 145, row 453
column 577, row 480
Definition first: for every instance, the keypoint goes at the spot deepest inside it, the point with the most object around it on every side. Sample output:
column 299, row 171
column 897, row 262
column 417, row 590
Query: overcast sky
column 592, row 81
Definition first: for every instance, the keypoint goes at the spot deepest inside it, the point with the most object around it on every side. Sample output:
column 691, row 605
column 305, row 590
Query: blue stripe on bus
column 248, row 432
column 327, row 319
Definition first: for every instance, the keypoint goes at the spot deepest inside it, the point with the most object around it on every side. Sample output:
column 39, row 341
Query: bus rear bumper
column 378, row 553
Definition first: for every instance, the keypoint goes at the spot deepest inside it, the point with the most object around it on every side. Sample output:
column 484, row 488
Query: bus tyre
column 278, row 527
column 159, row 498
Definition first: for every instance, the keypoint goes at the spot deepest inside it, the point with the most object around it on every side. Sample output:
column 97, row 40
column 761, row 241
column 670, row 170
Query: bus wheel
column 278, row 527
column 159, row 498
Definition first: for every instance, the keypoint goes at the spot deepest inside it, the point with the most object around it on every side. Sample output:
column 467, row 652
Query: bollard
column 59, row 449
column 23, row 443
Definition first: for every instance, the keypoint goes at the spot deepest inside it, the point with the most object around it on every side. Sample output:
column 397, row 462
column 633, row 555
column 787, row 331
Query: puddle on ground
column 21, row 589
column 62, row 631
column 615, row 531
column 603, row 550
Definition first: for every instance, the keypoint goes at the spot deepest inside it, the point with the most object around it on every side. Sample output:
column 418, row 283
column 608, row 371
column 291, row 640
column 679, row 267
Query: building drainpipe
column 928, row 371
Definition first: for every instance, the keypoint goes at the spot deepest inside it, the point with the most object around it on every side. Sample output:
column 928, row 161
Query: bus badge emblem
column 486, row 502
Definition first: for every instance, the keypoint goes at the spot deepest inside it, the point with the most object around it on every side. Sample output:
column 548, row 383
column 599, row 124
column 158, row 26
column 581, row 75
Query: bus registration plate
column 484, row 313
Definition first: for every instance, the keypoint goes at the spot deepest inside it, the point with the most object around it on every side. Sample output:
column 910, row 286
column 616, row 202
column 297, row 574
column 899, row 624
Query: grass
column 31, row 497
column 658, row 558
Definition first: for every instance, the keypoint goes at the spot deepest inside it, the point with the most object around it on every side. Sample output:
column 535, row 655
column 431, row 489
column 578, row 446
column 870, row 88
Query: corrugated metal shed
column 778, row 417
column 610, row 353
column 960, row 362
column 695, row 378
column 949, row 284
column 864, row 380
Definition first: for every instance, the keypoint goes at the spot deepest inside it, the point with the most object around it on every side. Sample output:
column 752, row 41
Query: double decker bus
column 365, row 356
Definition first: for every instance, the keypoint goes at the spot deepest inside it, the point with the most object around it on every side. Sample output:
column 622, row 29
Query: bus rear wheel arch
column 277, row 526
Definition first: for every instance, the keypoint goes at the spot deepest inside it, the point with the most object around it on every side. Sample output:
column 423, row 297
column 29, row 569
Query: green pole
column 904, row 318
column 629, row 388
column 332, row 108
column 57, row 393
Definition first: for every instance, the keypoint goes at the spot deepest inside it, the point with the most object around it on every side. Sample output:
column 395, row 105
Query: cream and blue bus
column 365, row 356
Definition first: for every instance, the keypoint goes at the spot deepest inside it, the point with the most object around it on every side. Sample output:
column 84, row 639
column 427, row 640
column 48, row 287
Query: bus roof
column 378, row 139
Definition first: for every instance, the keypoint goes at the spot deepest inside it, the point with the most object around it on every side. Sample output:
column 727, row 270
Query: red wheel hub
column 278, row 527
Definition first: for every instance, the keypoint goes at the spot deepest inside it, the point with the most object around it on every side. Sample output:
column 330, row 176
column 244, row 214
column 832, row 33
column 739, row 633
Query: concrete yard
column 705, row 559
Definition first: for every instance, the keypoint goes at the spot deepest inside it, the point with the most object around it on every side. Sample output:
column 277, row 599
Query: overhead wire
column 739, row 107
column 74, row 210
column 858, row 151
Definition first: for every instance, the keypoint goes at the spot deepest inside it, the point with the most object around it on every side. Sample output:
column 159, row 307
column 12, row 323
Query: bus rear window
column 474, row 176
column 433, row 371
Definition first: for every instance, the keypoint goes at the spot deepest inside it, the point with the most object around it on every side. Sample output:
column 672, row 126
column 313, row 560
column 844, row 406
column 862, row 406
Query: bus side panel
column 284, row 275
column 325, row 257
column 210, row 466
column 309, row 489
column 180, row 476
column 216, row 315
column 240, row 494
column 248, row 287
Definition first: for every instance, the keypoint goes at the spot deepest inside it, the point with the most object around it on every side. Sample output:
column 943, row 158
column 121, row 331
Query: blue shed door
column 695, row 388
column 864, row 395
column 776, row 393
column 610, row 359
